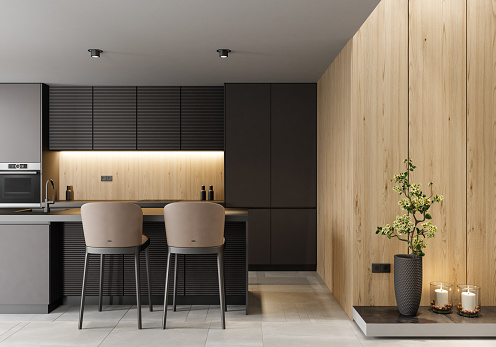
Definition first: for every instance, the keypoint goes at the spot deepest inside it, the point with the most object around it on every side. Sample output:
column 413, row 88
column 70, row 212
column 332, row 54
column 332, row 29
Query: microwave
column 20, row 185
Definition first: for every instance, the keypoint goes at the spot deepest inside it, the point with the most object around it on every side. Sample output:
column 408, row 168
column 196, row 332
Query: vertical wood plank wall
column 481, row 143
column 422, row 84
column 438, row 129
column 141, row 175
column 334, row 123
column 380, row 143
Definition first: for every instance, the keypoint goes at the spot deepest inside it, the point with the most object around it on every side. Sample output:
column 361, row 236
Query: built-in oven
column 20, row 184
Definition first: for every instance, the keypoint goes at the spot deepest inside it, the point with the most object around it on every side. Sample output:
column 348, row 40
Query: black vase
column 408, row 283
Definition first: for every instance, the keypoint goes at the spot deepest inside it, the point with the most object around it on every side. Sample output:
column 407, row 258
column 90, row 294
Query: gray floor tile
column 236, row 334
column 110, row 313
column 126, row 334
column 59, row 334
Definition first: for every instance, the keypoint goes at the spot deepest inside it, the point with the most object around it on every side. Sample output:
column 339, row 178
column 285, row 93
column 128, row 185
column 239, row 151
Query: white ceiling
column 173, row 42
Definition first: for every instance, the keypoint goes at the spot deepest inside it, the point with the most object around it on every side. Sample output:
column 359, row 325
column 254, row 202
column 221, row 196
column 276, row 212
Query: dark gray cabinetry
column 259, row 237
column 20, row 129
column 202, row 118
column 293, row 236
column 71, row 118
column 130, row 118
column 158, row 118
column 28, row 274
column 270, row 163
column 114, row 118
column 247, row 154
column 293, row 151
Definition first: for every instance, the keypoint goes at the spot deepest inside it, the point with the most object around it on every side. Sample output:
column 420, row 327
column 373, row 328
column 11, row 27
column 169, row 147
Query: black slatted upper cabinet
column 71, row 118
column 159, row 118
column 202, row 118
column 130, row 118
column 114, row 118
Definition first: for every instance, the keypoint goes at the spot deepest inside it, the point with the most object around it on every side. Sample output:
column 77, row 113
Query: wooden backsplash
column 141, row 175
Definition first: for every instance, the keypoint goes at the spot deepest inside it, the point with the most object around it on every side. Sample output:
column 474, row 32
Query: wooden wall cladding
column 141, row 175
column 379, row 123
column 481, row 151
column 334, row 179
column 437, row 129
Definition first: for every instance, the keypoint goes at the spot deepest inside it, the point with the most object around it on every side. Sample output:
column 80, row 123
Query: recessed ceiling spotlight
column 95, row 52
column 224, row 52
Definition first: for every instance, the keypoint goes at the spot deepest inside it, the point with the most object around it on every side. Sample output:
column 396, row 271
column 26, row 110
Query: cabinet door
column 259, row 237
column 247, row 154
column 24, row 264
column 114, row 118
column 159, row 118
column 71, row 118
column 293, row 145
column 20, row 129
column 293, row 237
column 202, row 118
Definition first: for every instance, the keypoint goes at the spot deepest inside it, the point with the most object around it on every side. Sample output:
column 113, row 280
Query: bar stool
column 114, row 228
column 194, row 228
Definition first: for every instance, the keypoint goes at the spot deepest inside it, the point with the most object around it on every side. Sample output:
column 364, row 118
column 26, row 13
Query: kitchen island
column 41, row 263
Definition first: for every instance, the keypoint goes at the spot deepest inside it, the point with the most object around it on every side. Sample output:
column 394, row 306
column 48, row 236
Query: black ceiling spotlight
column 95, row 52
column 224, row 52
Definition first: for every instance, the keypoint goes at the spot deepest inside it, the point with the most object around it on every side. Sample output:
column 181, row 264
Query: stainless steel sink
column 40, row 210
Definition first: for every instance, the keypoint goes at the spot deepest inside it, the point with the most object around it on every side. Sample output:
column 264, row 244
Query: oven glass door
column 20, row 187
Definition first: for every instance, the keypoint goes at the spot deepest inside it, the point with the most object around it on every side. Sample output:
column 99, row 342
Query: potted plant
column 413, row 228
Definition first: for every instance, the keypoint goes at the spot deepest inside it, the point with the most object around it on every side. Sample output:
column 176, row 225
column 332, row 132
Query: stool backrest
column 194, row 224
column 112, row 224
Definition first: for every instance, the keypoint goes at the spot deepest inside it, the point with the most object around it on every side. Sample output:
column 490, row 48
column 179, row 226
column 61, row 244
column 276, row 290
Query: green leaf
column 428, row 216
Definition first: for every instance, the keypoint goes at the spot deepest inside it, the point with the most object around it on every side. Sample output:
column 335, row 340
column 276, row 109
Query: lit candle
column 441, row 297
column 468, row 301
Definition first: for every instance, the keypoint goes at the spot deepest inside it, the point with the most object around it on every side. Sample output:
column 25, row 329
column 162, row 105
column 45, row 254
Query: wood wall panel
column 481, row 147
column 380, row 143
column 437, row 128
column 141, row 175
column 334, row 178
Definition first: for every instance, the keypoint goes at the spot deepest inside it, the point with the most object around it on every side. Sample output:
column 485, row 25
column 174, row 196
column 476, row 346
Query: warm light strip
column 134, row 154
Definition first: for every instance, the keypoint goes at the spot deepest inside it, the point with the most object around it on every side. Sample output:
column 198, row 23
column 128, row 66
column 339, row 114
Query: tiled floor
column 287, row 309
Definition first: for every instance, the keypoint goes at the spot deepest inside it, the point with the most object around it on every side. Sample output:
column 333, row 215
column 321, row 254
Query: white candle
column 441, row 297
column 468, row 301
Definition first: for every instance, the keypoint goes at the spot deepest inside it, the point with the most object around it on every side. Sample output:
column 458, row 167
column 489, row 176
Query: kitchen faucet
column 47, row 203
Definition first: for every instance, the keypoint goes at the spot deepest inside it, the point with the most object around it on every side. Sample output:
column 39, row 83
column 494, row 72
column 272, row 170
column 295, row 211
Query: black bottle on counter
column 68, row 193
column 211, row 193
column 203, row 194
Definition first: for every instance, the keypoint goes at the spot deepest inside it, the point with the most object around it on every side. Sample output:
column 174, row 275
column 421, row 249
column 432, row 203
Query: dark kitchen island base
column 197, row 275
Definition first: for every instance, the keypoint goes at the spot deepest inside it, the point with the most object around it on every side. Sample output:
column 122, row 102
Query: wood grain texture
column 481, row 147
column 437, row 128
column 141, row 175
column 334, row 178
column 380, row 143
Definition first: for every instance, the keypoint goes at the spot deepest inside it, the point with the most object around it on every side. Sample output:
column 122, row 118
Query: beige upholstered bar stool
column 114, row 228
column 194, row 228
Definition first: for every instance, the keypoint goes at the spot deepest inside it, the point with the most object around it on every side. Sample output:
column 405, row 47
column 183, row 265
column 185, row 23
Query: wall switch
column 381, row 268
column 104, row 178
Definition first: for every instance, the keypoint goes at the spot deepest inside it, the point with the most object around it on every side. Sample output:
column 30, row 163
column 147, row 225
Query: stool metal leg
column 138, row 285
column 166, row 296
column 83, row 292
column 220, row 268
column 101, row 283
column 175, row 282
column 148, row 279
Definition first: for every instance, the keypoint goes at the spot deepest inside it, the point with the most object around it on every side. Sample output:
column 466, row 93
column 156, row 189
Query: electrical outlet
column 381, row 268
column 109, row 178
column 104, row 179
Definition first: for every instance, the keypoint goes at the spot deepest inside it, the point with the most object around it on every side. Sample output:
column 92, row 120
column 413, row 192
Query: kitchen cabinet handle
column 19, row 172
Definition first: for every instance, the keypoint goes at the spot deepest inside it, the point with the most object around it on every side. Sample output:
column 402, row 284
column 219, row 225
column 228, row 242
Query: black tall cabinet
column 271, row 168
